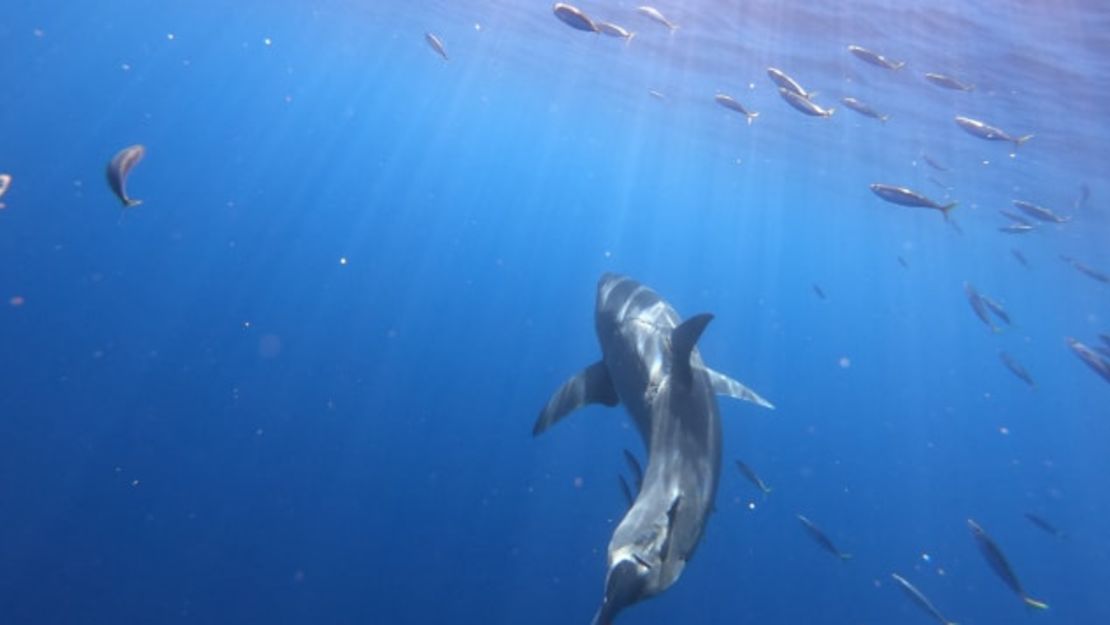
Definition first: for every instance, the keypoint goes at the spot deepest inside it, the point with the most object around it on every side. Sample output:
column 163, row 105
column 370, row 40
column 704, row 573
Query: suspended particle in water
column 267, row 41
column 578, row 482
column 16, row 301
column 342, row 260
column 844, row 362
column 926, row 557
column 170, row 36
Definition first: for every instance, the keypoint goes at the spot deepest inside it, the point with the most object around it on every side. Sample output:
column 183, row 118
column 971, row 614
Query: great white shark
column 650, row 363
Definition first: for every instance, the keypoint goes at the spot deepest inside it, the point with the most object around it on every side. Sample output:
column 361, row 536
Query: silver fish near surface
column 1039, row 212
column 1097, row 363
column 613, row 30
column 998, row 563
column 658, row 95
column 874, row 58
column 948, row 82
column 822, row 539
column 805, row 105
column 908, row 197
column 119, row 168
column 780, row 78
column 864, row 109
column 656, row 16
column 1016, row 368
column 1016, row 228
column 920, row 599
column 436, row 44
column 984, row 130
column 5, row 184
column 731, row 103
column 574, row 17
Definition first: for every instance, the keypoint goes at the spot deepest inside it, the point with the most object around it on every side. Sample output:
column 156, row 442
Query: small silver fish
column 1097, row 363
column 780, row 78
column 979, row 306
column 613, row 30
column 1086, row 270
column 864, row 109
column 875, row 58
column 1045, row 525
column 654, row 15
column 1015, row 368
column 935, row 165
column 1016, row 228
column 1016, row 253
column 909, row 197
column 804, row 105
column 948, row 82
column 658, row 95
column 997, row 561
column 983, row 130
column 574, row 17
column 920, row 599
column 996, row 308
column 5, row 184
column 754, row 478
column 730, row 103
column 1014, row 217
column 822, row 539
column 119, row 168
column 436, row 45
column 1039, row 212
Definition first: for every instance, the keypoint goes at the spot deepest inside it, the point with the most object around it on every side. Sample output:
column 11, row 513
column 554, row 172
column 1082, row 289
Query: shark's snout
column 623, row 586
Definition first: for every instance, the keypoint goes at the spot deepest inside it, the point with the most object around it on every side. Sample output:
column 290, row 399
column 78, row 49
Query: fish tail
column 751, row 117
column 898, row 66
column 1022, row 139
column 829, row 112
column 883, row 118
column 631, row 36
column 1034, row 603
column 844, row 557
column 947, row 208
column 131, row 203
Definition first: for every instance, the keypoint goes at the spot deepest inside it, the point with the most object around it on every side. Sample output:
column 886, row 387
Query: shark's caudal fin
column 591, row 386
column 724, row 385
column 683, row 340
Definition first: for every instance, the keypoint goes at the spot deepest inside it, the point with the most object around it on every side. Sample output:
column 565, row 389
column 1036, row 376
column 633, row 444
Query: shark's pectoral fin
column 591, row 386
column 724, row 385
column 672, row 512
column 683, row 340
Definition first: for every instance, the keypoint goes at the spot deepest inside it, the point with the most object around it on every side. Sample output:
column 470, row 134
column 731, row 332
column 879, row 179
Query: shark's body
column 651, row 365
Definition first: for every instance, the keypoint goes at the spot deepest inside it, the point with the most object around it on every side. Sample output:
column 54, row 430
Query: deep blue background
column 206, row 417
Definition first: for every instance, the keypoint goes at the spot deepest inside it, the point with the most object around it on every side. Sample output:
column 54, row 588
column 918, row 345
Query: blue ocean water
column 296, row 385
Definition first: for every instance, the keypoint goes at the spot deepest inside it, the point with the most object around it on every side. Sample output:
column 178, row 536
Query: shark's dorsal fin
column 724, row 385
column 683, row 340
column 591, row 386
